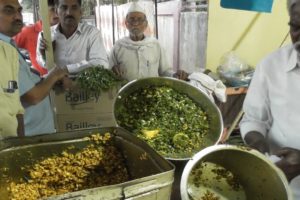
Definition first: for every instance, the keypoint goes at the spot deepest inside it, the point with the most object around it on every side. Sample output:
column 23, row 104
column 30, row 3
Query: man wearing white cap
column 272, row 113
column 139, row 56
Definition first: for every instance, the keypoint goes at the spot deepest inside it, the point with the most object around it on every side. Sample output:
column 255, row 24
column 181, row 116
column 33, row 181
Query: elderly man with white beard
column 139, row 56
column 271, row 123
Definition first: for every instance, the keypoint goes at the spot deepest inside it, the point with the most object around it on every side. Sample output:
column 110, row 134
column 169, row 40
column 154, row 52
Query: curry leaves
column 169, row 121
column 95, row 79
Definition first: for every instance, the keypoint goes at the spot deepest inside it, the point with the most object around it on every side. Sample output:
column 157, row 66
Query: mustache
column 69, row 17
column 18, row 22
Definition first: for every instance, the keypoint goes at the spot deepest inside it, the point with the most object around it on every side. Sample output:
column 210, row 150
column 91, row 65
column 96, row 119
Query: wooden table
column 233, row 105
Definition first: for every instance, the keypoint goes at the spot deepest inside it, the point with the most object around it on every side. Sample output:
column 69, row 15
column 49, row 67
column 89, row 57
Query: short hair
column 50, row 2
column 290, row 4
column 56, row 2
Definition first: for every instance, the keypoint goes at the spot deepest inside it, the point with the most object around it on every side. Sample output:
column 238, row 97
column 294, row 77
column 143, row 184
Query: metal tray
column 151, row 178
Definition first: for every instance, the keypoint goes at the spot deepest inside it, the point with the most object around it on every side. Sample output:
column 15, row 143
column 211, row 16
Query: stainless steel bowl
column 215, row 118
column 259, row 177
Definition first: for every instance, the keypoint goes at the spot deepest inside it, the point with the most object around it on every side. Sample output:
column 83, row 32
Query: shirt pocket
column 8, row 120
column 151, row 58
column 151, row 62
column 11, row 101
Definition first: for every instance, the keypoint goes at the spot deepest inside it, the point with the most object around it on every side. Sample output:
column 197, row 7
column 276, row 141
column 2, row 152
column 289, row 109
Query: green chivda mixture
column 96, row 79
column 170, row 122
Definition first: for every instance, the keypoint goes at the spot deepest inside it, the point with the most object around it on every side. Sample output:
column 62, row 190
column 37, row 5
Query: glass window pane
column 28, row 14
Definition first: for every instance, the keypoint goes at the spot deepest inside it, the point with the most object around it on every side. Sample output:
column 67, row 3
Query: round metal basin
column 258, row 177
column 201, row 99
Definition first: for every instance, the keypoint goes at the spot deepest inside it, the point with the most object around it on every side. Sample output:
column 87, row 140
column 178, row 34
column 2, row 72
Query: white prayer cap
column 134, row 7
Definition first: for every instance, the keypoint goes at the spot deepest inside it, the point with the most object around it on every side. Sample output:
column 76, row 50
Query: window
column 28, row 11
column 181, row 28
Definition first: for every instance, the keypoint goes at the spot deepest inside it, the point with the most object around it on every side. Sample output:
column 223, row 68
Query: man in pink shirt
column 27, row 38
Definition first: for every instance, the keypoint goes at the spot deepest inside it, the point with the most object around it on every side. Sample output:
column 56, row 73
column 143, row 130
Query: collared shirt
column 83, row 49
column 10, row 104
column 38, row 119
column 272, row 103
column 27, row 39
column 140, row 59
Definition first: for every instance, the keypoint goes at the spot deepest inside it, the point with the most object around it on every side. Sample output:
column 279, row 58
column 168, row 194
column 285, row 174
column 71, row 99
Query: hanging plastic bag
column 234, row 72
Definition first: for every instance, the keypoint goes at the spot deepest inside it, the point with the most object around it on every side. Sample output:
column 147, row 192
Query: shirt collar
column 78, row 30
column 292, row 60
column 5, row 38
column 9, row 40
column 80, row 27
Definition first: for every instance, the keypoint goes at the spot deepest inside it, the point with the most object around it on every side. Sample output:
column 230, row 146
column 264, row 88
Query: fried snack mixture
column 219, row 173
column 209, row 196
column 97, row 165
column 169, row 121
column 204, row 172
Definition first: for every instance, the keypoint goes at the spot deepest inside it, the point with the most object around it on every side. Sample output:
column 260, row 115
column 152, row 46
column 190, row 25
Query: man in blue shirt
column 34, row 92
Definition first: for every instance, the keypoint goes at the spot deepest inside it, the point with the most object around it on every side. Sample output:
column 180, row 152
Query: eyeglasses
column 138, row 21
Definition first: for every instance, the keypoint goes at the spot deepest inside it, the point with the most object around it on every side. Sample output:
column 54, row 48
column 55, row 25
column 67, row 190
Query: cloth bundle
column 208, row 85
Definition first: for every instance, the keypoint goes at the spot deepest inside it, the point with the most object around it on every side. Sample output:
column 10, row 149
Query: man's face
column 294, row 24
column 69, row 13
column 136, row 23
column 53, row 18
column 11, row 20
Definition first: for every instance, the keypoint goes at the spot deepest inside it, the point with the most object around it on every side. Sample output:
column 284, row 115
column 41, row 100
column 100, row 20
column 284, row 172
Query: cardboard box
column 78, row 101
column 71, row 122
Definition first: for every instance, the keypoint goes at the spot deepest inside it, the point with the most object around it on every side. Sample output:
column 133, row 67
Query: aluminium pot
column 258, row 177
column 201, row 99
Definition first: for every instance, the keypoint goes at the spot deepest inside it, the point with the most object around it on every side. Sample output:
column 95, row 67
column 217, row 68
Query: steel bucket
column 259, row 178
column 200, row 98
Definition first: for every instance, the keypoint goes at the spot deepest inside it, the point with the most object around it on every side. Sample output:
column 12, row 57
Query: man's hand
column 182, row 75
column 67, row 83
column 119, row 70
column 290, row 162
column 41, row 90
column 58, row 73
column 257, row 141
column 60, row 77
column 44, row 45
